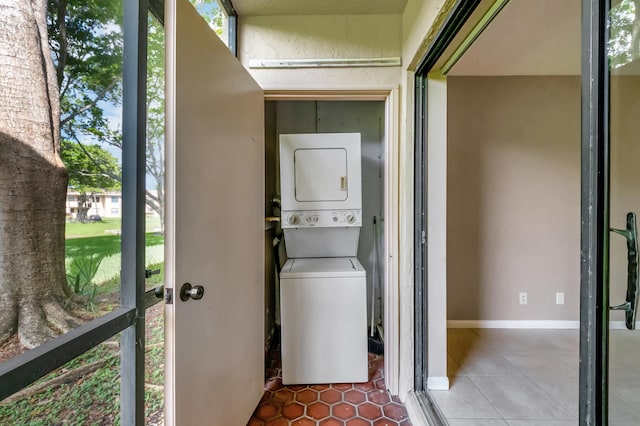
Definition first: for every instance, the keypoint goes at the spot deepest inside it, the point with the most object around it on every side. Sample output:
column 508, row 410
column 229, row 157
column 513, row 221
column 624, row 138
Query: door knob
column 159, row 291
column 191, row 292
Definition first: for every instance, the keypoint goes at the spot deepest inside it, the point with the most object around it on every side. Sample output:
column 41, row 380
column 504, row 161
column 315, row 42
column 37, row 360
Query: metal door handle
column 159, row 291
column 149, row 272
column 630, row 307
column 191, row 292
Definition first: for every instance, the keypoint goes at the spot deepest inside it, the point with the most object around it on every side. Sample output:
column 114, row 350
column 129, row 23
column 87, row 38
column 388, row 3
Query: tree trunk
column 33, row 180
column 83, row 206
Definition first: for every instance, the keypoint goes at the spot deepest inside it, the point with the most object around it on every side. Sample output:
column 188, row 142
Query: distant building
column 105, row 204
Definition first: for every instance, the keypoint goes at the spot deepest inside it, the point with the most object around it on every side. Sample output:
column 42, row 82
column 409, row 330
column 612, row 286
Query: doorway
column 331, row 116
column 529, row 211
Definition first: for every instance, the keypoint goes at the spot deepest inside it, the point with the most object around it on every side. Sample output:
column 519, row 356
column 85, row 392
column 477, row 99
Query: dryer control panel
column 321, row 218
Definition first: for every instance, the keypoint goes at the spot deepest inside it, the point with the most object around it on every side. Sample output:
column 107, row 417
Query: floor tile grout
column 331, row 404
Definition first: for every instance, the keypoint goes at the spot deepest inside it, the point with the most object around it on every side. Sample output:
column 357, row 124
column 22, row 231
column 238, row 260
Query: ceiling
column 527, row 37
column 541, row 37
column 318, row 7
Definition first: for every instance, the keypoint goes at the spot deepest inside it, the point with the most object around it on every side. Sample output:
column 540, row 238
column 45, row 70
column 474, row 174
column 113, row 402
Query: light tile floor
column 530, row 378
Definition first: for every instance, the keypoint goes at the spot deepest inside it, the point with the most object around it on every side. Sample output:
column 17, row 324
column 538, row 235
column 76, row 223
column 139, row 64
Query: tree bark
column 83, row 207
column 33, row 180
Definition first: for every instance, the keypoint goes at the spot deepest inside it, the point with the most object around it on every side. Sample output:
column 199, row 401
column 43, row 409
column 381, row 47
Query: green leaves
column 212, row 13
column 91, row 168
column 86, row 42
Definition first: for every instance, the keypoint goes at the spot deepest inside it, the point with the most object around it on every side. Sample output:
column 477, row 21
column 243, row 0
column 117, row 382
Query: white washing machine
column 324, row 326
column 323, row 311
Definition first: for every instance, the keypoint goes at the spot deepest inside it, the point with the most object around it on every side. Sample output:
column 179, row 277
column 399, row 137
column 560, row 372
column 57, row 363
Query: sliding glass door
column 623, row 54
column 610, row 373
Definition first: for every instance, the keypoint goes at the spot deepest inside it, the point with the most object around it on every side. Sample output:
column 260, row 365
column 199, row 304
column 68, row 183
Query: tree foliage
column 92, row 170
column 86, row 42
column 87, row 165
column 624, row 33
column 155, row 116
column 212, row 13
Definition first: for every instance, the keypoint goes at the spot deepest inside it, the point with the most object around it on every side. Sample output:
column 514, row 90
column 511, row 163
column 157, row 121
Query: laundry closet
column 366, row 119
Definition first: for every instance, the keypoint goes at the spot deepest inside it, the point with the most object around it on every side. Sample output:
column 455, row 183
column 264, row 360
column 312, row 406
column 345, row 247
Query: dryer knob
column 351, row 218
column 293, row 219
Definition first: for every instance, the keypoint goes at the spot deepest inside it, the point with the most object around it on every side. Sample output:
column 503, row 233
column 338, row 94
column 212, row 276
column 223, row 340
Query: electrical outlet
column 523, row 298
column 560, row 298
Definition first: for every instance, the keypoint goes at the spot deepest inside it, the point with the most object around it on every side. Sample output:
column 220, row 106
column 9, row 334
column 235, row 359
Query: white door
column 214, row 227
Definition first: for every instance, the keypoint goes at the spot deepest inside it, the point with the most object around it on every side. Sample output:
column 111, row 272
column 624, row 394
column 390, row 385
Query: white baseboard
column 541, row 324
column 620, row 325
column 513, row 324
column 437, row 383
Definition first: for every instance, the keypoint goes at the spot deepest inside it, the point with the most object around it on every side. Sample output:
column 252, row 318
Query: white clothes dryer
column 321, row 191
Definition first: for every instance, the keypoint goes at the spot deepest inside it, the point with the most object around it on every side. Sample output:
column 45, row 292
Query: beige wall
column 514, row 197
column 321, row 37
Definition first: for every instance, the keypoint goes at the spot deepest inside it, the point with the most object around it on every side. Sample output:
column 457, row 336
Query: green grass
column 87, row 229
column 107, row 249
column 94, row 398
column 93, row 256
column 107, row 244
column 75, row 403
column 107, row 226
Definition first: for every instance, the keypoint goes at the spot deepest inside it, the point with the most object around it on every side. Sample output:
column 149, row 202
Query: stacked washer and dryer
column 322, row 285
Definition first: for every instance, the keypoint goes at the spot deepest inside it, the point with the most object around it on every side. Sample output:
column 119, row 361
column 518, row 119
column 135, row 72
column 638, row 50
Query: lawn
column 93, row 258
column 86, row 390
column 107, row 226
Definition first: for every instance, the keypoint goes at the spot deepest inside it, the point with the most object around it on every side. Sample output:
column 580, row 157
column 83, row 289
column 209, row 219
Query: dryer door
column 321, row 174
column 320, row 171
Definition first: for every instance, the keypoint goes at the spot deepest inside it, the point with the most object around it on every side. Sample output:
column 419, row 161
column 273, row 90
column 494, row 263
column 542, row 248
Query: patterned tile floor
column 360, row 404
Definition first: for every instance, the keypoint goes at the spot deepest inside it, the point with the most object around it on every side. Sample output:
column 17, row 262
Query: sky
column 113, row 113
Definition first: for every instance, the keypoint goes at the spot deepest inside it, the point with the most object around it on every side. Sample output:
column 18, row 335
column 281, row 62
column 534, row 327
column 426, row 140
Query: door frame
column 391, row 294
column 594, row 312
column 430, row 209
column 594, row 211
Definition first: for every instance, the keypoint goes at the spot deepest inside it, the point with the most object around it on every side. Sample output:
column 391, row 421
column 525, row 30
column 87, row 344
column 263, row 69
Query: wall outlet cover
column 523, row 298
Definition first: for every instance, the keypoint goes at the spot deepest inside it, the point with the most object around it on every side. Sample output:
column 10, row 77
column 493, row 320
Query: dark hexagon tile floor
column 359, row 404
